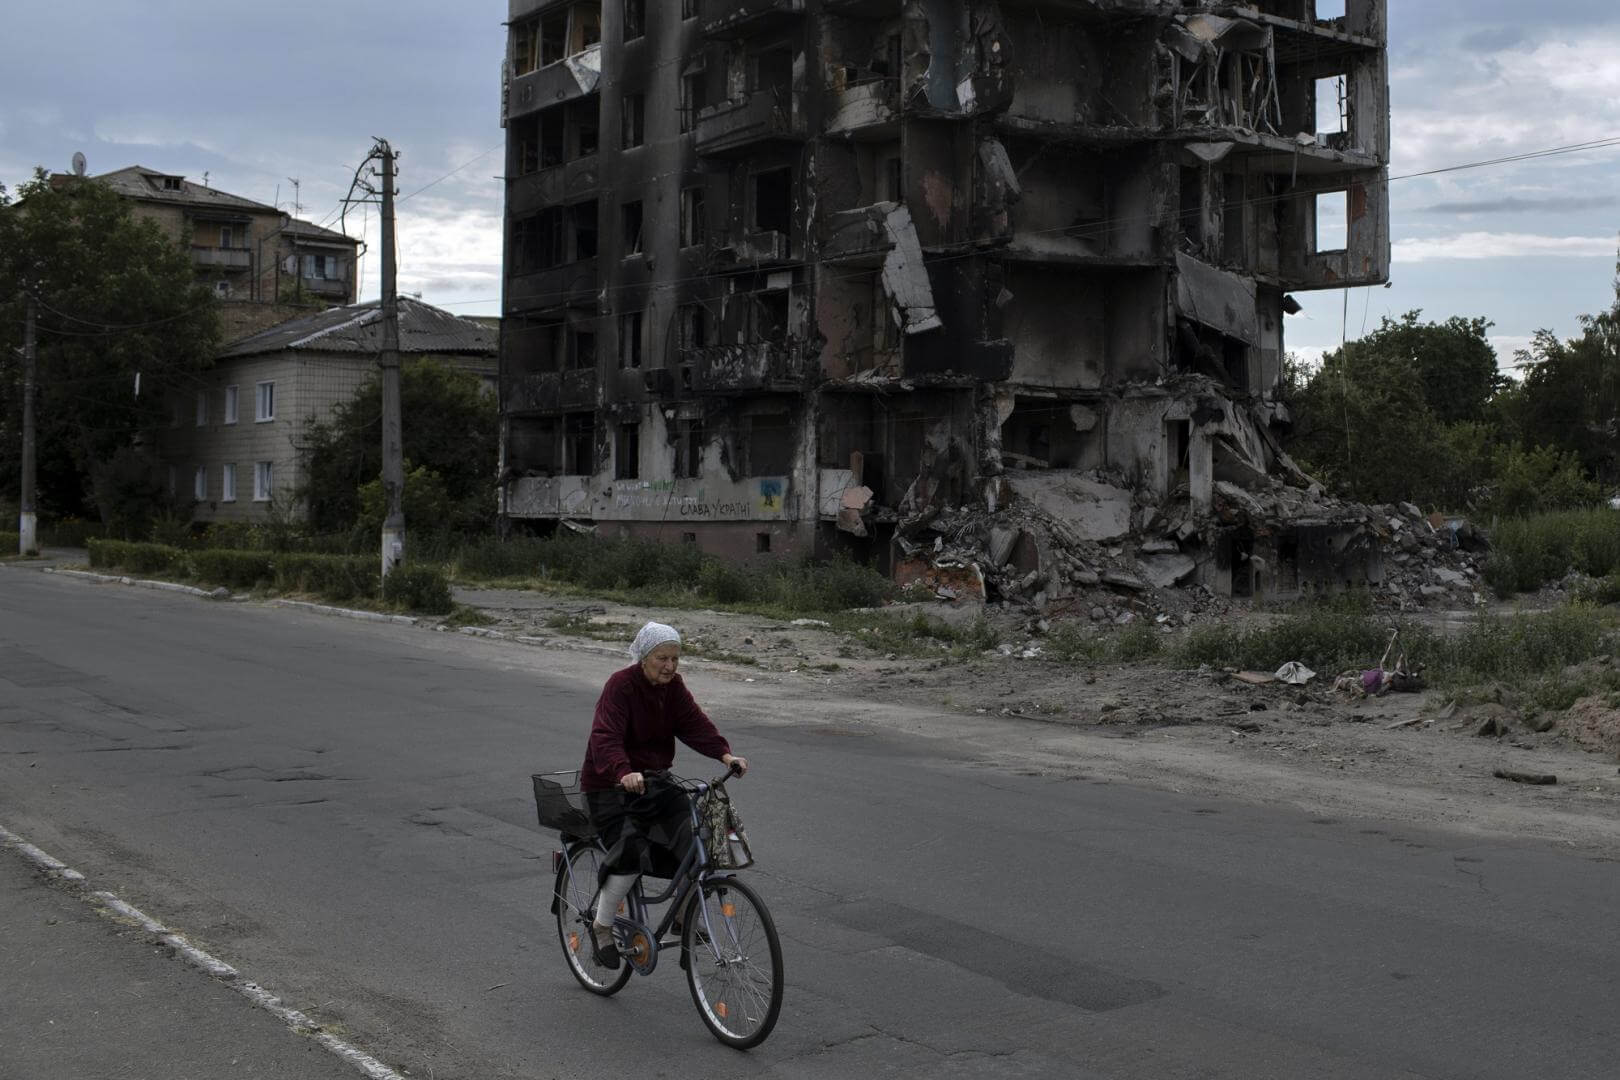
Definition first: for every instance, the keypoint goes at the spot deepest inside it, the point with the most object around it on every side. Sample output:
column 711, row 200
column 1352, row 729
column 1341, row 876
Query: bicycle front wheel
column 734, row 962
column 574, row 900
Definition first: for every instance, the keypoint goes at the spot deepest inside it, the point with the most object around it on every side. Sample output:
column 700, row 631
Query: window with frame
column 202, row 408
column 635, row 19
column 627, row 452
column 262, row 479
column 630, row 228
column 579, row 444
column 694, row 97
column 693, row 326
column 230, row 404
column 264, row 402
column 694, row 223
column 585, row 124
column 581, row 348
column 630, row 324
column 199, row 483
column 226, row 236
column 770, row 444
column 633, row 110
column 525, row 46
column 227, row 482
column 773, row 201
column 688, row 449
column 689, row 9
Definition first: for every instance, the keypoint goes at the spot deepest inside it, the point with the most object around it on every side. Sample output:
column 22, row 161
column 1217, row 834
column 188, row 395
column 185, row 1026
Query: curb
column 346, row 613
column 144, row 583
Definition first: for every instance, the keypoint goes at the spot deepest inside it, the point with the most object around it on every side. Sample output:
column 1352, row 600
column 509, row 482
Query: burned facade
column 793, row 275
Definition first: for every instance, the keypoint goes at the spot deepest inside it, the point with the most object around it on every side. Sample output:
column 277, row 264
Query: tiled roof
column 150, row 185
column 423, row 328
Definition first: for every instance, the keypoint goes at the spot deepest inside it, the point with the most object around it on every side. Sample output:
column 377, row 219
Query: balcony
column 737, row 128
column 572, row 77
column 221, row 258
column 730, row 19
column 331, row 287
column 550, row 391
column 761, row 366
column 865, row 111
column 757, row 249
column 551, row 287
column 857, row 237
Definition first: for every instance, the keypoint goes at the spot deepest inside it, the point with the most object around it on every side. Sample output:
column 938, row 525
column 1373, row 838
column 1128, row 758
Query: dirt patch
column 1593, row 723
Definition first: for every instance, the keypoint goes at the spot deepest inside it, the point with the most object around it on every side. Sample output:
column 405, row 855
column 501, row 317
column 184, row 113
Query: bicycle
column 729, row 947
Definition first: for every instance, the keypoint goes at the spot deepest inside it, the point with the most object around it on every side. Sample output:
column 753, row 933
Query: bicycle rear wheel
column 573, row 898
column 734, row 962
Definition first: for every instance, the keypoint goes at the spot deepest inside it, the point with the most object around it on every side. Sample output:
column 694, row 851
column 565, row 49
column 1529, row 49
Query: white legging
column 614, row 890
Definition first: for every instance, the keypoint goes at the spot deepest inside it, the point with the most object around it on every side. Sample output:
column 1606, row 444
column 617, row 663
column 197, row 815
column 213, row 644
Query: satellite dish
column 78, row 163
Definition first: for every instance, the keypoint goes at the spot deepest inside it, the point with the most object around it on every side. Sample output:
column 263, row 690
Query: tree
column 1569, row 398
column 451, row 441
column 116, row 298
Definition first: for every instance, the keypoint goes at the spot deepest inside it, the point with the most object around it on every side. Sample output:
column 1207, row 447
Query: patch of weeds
column 1139, row 641
column 575, row 624
column 846, row 652
column 828, row 667
column 466, row 615
column 1070, row 641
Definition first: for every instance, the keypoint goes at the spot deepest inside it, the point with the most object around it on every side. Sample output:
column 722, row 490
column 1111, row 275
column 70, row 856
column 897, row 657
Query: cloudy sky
column 257, row 96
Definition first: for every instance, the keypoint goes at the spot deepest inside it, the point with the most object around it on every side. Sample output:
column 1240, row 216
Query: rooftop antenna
column 298, row 207
column 78, row 163
column 205, row 178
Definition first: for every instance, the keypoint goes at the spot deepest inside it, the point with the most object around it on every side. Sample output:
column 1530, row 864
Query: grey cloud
column 1520, row 206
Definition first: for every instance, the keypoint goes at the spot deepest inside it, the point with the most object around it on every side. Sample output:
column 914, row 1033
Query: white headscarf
column 651, row 636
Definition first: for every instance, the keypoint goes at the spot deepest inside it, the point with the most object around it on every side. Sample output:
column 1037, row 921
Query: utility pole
column 28, row 519
column 393, row 455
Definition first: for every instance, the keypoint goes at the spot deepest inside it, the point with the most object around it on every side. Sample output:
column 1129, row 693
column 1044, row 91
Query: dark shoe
column 605, row 955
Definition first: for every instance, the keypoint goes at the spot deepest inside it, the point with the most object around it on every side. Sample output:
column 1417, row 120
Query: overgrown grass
column 1529, row 552
column 674, row 575
column 1524, row 649
column 9, row 543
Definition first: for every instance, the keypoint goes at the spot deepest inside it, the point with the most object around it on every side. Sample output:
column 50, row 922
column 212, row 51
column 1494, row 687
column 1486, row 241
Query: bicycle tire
column 735, row 978
column 573, row 898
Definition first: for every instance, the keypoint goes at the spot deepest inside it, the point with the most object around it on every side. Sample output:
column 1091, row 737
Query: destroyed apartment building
column 908, row 278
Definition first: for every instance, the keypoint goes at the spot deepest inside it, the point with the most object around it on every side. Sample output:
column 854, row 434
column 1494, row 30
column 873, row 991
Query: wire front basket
column 561, row 805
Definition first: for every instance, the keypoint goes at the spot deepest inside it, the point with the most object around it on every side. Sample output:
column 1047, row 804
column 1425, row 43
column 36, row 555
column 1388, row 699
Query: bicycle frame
column 693, row 871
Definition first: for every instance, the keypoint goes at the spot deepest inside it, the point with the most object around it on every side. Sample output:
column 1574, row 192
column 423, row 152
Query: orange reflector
column 720, row 1009
column 728, row 910
column 573, row 942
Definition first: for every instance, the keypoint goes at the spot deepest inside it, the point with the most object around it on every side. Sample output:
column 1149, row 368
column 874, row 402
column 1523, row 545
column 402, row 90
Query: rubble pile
column 1065, row 544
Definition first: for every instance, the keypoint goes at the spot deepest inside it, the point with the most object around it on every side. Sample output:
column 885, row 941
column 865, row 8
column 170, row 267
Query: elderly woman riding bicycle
column 646, row 827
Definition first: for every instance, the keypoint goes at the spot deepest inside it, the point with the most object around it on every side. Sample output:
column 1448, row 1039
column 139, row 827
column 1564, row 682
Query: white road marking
column 108, row 904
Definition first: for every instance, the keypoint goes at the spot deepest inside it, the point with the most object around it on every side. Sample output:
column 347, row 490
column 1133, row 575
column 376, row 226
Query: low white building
column 236, row 443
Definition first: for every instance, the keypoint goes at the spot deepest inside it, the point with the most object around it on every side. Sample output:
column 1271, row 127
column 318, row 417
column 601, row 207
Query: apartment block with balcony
column 786, row 275
column 245, row 250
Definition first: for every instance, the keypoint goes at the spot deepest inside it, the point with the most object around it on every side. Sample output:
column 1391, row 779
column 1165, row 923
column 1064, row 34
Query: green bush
column 136, row 558
column 1529, row 552
column 232, row 568
column 70, row 532
column 418, row 588
column 10, row 542
column 725, row 583
column 331, row 577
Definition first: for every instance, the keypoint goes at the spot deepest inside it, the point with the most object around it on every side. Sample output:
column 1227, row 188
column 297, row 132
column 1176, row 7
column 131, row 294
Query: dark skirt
column 644, row 834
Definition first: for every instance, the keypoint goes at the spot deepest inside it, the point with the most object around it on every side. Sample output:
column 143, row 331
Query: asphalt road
column 342, row 811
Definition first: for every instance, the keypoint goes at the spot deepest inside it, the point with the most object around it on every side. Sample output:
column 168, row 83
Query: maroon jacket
column 636, row 725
